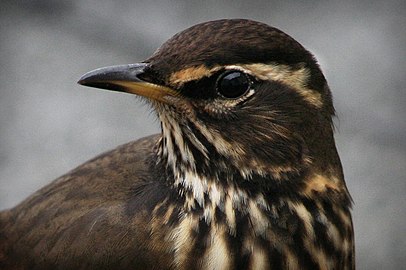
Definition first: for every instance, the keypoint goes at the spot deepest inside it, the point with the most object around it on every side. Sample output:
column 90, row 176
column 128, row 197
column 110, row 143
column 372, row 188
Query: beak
column 126, row 78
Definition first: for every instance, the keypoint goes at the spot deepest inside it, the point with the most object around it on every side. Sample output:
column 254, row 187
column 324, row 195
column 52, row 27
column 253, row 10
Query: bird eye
column 233, row 84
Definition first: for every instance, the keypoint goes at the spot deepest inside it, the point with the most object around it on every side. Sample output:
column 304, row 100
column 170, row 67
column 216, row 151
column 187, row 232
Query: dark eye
column 233, row 84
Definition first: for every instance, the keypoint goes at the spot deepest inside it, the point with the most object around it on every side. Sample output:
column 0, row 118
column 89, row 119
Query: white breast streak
column 217, row 256
column 259, row 221
column 259, row 259
column 181, row 236
column 230, row 214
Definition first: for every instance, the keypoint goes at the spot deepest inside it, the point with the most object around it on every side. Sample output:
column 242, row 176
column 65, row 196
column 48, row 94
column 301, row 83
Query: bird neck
column 201, row 171
column 204, row 178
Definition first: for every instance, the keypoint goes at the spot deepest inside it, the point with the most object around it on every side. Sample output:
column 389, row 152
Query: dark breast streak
column 261, row 233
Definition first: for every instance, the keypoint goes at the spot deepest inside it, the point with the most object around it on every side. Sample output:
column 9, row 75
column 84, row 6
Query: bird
column 244, row 174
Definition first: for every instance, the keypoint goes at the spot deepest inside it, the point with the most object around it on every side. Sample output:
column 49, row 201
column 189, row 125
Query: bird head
column 234, row 97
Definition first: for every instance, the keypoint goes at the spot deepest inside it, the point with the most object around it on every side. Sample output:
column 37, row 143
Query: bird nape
column 244, row 175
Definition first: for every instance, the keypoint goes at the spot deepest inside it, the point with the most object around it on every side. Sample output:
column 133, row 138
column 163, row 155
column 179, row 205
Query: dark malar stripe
column 214, row 154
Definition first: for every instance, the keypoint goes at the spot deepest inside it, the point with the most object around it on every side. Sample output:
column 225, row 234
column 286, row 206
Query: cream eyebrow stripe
column 191, row 74
column 296, row 78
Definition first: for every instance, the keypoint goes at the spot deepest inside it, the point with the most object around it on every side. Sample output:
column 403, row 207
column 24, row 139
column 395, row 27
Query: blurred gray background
column 49, row 124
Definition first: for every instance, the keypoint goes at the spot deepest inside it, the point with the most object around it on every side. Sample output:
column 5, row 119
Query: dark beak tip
column 84, row 79
column 105, row 75
column 81, row 81
column 91, row 76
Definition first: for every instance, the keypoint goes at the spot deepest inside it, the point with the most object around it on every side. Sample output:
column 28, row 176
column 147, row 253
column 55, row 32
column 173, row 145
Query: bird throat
column 205, row 180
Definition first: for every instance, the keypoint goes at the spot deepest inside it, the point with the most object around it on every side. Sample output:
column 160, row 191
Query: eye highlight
column 233, row 84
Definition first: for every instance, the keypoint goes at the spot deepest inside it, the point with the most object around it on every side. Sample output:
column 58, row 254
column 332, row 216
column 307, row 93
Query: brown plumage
column 245, row 174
